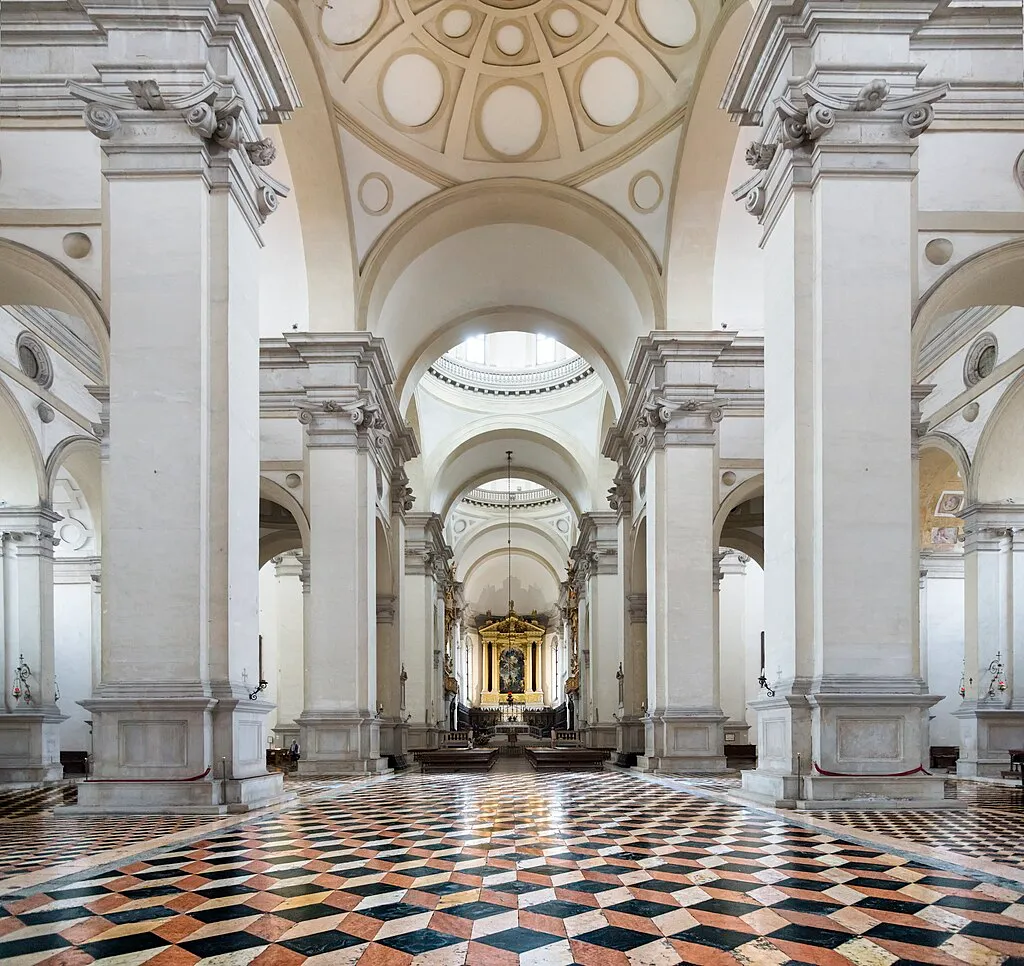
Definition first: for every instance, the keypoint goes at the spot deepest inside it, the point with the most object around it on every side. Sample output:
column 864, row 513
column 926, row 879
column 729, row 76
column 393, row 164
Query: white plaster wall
column 269, row 606
column 72, row 645
column 945, row 629
column 732, row 636
column 284, row 290
column 737, row 300
column 753, row 624
column 533, row 586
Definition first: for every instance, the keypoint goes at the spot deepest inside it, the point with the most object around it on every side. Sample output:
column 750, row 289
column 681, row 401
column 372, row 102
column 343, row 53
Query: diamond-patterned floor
column 506, row 869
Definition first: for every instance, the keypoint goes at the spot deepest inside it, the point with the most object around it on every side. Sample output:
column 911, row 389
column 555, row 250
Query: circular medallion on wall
column 456, row 22
column 939, row 251
column 375, row 194
column 728, row 478
column 609, row 90
column 292, row 480
column 459, row 526
column 672, row 23
column 564, row 22
column 981, row 359
column 412, row 89
column 34, row 359
column 345, row 23
column 510, row 39
column 511, row 121
column 646, row 192
column 76, row 244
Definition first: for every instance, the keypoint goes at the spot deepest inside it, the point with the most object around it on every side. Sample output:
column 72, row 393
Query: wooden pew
column 457, row 759
column 566, row 758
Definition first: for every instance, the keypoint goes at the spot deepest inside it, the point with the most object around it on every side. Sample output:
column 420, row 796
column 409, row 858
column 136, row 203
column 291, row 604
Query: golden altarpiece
column 512, row 653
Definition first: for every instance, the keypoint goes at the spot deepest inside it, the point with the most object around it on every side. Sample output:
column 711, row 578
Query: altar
column 512, row 654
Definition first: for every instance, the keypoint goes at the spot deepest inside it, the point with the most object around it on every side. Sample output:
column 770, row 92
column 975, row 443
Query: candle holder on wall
column 22, row 690
column 997, row 681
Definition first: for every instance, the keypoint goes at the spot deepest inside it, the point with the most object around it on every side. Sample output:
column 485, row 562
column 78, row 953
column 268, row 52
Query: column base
column 865, row 739
column 423, row 737
column 206, row 797
column 629, row 741
column 602, row 736
column 30, row 746
column 339, row 743
column 986, row 737
column 178, row 749
column 681, row 742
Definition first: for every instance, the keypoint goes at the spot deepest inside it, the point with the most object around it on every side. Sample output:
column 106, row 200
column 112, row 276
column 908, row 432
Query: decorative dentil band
column 213, row 112
column 801, row 126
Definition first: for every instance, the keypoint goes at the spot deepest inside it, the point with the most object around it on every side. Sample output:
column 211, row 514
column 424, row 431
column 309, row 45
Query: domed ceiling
column 464, row 89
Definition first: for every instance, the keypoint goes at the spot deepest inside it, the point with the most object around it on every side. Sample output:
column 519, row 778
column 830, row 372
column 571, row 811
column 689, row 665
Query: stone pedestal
column 30, row 719
column 336, row 743
column 987, row 735
column 688, row 741
column 30, row 746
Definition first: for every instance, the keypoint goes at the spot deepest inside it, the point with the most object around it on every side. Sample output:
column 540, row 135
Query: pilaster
column 30, row 721
column 992, row 713
column 667, row 437
column 838, row 99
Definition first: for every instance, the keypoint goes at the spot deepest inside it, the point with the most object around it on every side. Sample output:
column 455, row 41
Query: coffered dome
column 464, row 89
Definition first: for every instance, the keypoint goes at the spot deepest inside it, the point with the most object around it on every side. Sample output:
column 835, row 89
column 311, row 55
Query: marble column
column 424, row 559
column 667, row 436
column 597, row 549
column 339, row 728
column 730, row 568
column 838, row 146
column 290, row 635
column 992, row 713
column 30, row 721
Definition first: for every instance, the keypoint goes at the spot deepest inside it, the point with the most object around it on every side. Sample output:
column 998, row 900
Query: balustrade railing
column 510, row 382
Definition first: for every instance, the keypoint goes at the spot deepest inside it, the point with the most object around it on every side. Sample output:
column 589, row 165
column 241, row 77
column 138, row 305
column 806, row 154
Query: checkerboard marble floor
column 34, row 836
column 601, row 870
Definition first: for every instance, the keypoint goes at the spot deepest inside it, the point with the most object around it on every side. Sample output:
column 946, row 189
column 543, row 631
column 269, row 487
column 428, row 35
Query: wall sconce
column 22, row 690
column 262, row 686
column 380, row 709
column 998, row 681
column 762, row 683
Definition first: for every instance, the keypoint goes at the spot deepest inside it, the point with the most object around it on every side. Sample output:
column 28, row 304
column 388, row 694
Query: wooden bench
column 75, row 762
column 566, row 759
column 457, row 759
column 943, row 756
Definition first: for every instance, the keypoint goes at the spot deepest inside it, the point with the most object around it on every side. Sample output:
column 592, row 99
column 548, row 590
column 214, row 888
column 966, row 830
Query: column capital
column 674, row 396
column 637, row 604
column 288, row 565
column 918, row 425
column 30, row 529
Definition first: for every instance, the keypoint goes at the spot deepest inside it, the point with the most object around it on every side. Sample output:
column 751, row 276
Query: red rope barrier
column 843, row 774
column 194, row 778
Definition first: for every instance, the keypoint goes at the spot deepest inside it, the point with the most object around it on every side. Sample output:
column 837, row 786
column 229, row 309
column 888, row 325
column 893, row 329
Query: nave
column 514, row 867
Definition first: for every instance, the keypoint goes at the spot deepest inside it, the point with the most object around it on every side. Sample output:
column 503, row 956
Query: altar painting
column 512, row 671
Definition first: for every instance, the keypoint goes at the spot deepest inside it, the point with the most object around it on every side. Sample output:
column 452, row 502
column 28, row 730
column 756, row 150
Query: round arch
column 699, row 189
column 744, row 491
column 23, row 477
column 506, row 201
column 538, row 455
column 313, row 146
column 752, row 548
column 953, row 448
column 525, row 552
column 638, row 571
column 558, row 550
column 994, row 276
column 281, row 542
column 510, row 318
column 67, row 449
column 535, row 476
column 992, row 457
column 28, row 277
column 385, row 572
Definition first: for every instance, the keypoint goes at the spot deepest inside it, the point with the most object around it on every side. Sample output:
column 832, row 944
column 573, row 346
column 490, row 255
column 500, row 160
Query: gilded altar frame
column 519, row 634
